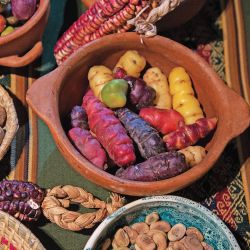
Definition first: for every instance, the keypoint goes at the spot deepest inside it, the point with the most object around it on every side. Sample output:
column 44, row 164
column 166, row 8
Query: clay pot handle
column 239, row 117
column 41, row 96
column 16, row 61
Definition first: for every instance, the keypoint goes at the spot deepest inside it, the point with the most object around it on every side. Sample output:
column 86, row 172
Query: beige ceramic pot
column 53, row 96
column 24, row 45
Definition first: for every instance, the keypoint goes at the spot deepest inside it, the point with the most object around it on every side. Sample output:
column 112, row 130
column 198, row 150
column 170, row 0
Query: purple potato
column 160, row 167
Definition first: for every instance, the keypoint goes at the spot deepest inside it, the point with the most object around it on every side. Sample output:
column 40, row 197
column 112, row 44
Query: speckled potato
column 98, row 76
column 158, row 81
column 184, row 100
column 132, row 62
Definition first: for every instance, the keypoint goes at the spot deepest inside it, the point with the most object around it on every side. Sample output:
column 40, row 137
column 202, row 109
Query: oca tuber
column 189, row 134
column 147, row 138
column 109, row 131
column 159, row 167
column 89, row 147
column 164, row 120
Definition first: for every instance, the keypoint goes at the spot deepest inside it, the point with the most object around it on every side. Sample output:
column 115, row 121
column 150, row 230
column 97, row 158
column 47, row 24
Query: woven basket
column 17, row 235
column 11, row 125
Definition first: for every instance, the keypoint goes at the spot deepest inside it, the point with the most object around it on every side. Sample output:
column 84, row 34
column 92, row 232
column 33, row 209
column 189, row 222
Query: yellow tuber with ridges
column 98, row 76
column 132, row 62
column 158, row 81
column 193, row 154
column 182, row 93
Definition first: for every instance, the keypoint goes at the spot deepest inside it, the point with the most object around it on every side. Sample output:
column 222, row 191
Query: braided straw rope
column 59, row 198
column 147, row 26
column 11, row 125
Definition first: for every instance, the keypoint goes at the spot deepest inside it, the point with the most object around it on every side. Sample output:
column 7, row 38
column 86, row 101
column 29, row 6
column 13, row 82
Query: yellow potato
column 98, row 76
column 158, row 81
column 184, row 100
column 132, row 62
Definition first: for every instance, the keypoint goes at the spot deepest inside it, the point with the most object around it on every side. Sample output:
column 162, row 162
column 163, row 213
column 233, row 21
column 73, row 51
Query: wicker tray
column 13, row 232
column 11, row 125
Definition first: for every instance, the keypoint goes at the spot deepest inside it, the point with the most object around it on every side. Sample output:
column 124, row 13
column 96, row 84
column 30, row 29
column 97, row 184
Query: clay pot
column 26, row 38
column 53, row 96
column 179, row 16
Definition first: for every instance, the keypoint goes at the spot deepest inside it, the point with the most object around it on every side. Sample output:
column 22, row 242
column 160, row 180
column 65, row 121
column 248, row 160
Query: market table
column 218, row 34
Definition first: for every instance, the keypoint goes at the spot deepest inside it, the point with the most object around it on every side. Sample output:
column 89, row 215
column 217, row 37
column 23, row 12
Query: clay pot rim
column 42, row 8
column 105, row 179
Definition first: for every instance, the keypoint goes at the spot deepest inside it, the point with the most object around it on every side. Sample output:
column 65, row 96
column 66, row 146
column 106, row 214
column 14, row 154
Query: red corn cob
column 88, row 146
column 104, row 17
column 109, row 131
column 188, row 135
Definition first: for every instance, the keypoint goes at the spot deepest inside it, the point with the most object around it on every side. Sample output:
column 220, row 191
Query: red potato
column 89, row 147
column 164, row 120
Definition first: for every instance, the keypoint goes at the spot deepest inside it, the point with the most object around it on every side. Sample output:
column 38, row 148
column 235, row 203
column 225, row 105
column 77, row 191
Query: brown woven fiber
column 17, row 234
column 11, row 125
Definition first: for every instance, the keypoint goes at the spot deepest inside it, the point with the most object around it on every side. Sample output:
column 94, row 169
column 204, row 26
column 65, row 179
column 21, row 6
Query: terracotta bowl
column 187, row 10
column 53, row 96
column 24, row 45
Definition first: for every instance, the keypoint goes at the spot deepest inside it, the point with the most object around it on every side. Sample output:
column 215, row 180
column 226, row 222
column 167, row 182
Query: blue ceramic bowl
column 172, row 209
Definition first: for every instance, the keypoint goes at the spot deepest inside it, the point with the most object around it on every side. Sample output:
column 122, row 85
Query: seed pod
column 21, row 199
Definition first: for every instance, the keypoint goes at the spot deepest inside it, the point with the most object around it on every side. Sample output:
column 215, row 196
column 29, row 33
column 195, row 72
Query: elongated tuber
column 159, row 167
column 147, row 138
column 98, row 76
column 189, row 134
column 79, row 118
column 109, row 131
column 184, row 100
column 89, row 147
column 158, row 81
column 164, row 120
column 193, row 154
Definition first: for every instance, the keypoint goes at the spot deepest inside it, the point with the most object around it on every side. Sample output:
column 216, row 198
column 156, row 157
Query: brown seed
column 2, row 134
column 160, row 241
column 155, row 231
column 3, row 116
column 137, row 248
column 114, row 244
column 179, row 246
column 121, row 238
column 153, row 217
column 196, row 232
column 132, row 234
column 192, row 243
column 106, row 244
column 206, row 246
column 145, row 242
column 123, row 248
column 140, row 227
column 161, row 225
column 177, row 232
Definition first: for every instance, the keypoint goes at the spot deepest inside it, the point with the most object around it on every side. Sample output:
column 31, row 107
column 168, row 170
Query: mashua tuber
column 184, row 100
column 193, row 154
column 109, row 131
column 188, row 135
column 147, row 138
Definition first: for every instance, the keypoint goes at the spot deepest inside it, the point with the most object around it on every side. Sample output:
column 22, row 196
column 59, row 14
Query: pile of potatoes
column 156, row 234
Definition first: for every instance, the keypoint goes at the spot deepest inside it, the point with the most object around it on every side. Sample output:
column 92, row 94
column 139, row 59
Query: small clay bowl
column 173, row 209
column 184, row 12
column 23, row 46
column 53, row 96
